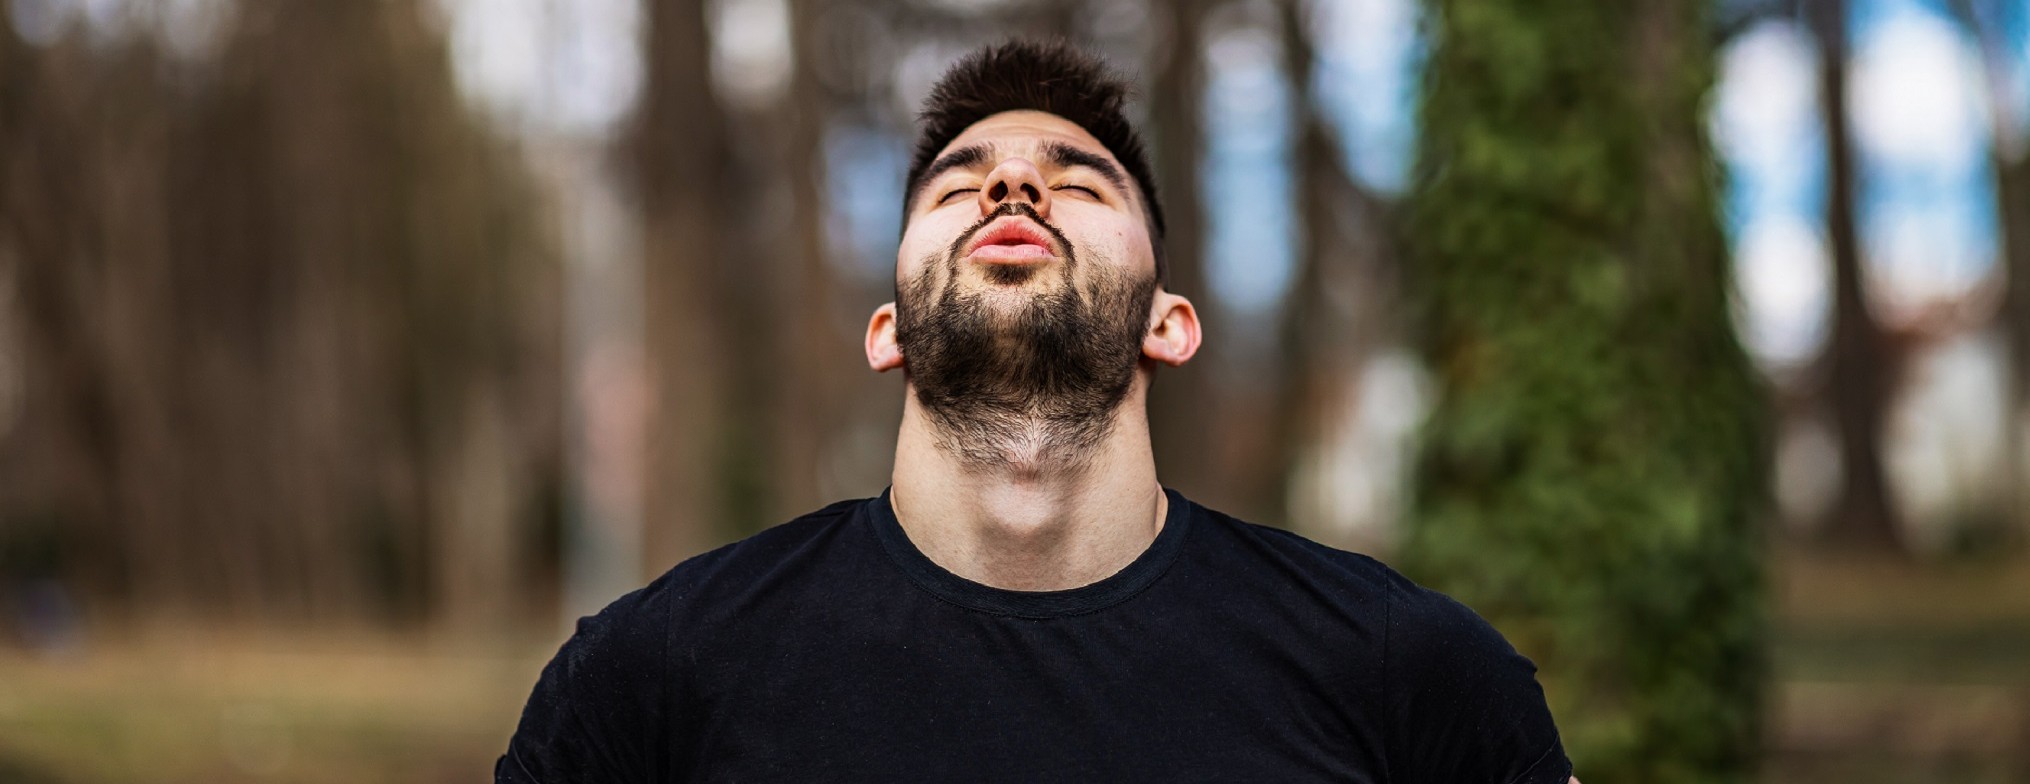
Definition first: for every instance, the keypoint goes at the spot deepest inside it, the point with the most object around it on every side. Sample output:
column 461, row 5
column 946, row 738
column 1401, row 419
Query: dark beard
column 1037, row 389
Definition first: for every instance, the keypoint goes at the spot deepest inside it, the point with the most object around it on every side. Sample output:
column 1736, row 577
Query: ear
column 883, row 353
column 1173, row 330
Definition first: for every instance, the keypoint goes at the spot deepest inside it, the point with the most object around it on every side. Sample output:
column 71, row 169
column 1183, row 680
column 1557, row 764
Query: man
column 1026, row 602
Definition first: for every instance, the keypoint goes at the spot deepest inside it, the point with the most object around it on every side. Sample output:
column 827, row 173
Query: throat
column 1033, row 537
column 1028, row 515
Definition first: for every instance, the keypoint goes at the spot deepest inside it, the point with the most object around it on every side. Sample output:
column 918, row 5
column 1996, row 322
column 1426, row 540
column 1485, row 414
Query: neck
column 1018, row 525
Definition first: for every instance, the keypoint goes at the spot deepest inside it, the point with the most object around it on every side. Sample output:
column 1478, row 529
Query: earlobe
column 883, row 353
column 1174, row 335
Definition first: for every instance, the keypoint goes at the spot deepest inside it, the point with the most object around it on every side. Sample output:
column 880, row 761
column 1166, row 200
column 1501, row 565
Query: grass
column 1891, row 670
column 355, row 709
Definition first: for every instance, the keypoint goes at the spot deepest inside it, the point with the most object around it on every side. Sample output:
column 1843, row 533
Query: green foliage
column 1592, row 475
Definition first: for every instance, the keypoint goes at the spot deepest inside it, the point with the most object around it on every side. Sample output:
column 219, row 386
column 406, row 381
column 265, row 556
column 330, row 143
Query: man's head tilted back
column 1051, row 78
column 1029, row 282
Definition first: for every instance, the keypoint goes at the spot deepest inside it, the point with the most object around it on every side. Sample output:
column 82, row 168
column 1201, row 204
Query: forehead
column 1023, row 131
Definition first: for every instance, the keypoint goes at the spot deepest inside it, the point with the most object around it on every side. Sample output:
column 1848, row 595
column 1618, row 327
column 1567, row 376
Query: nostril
column 998, row 192
column 1033, row 194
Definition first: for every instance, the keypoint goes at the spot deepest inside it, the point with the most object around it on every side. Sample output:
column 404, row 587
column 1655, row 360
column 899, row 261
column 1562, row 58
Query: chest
column 926, row 691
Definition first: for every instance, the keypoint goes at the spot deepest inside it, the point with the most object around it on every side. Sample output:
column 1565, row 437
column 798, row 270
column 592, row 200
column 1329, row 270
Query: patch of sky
column 751, row 52
column 190, row 28
column 548, row 66
column 40, row 22
column 2015, row 23
column 1923, row 134
column 863, row 188
column 2004, row 25
column 193, row 28
column 1766, row 126
column 1370, row 55
column 1246, row 175
column 1918, row 113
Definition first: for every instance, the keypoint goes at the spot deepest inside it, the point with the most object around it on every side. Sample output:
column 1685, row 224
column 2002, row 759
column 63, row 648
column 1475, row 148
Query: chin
column 1010, row 274
column 1007, row 305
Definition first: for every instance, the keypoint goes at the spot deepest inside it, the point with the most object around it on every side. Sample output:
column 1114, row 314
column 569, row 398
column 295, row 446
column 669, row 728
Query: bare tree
column 2009, row 154
column 680, row 152
column 1181, row 400
column 1338, row 310
column 1857, row 371
column 298, row 319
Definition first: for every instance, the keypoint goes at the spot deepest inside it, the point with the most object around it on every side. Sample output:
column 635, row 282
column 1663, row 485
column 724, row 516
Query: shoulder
column 632, row 634
column 1425, row 616
column 1420, row 622
column 602, row 702
column 1459, row 703
column 1463, row 704
column 732, row 565
column 1288, row 546
column 1439, row 652
column 632, row 617
column 1290, row 557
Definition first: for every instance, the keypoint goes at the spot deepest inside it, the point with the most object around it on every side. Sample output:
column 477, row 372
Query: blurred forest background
column 350, row 349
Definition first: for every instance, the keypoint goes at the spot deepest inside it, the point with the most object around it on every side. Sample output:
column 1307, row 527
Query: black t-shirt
column 831, row 649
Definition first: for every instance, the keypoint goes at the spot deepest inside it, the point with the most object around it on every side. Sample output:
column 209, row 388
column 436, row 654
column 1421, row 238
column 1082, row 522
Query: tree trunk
column 263, row 298
column 1336, row 314
column 2012, row 189
column 1591, row 477
column 2009, row 153
column 1858, row 374
column 1182, row 403
column 680, row 150
column 808, row 351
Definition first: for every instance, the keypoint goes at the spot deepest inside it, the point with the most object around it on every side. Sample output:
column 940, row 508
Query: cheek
column 1126, row 245
column 927, row 236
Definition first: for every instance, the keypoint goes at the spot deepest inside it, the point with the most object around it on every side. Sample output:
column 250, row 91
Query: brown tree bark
column 2012, row 196
column 814, row 353
column 1857, row 373
column 1182, row 403
column 2009, row 154
column 270, row 298
column 1336, row 314
column 679, row 153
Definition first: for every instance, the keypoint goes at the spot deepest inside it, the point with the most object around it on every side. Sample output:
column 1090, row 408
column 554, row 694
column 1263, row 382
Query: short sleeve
column 597, row 710
column 1464, row 706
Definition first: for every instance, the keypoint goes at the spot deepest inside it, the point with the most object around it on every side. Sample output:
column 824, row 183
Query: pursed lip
column 1011, row 240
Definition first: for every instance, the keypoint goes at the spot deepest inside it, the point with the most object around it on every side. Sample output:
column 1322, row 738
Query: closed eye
column 949, row 194
column 1088, row 191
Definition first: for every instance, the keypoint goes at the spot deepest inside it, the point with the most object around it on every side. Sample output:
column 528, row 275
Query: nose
column 1016, row 178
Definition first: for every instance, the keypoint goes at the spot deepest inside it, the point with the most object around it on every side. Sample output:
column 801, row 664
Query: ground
column 245, row 708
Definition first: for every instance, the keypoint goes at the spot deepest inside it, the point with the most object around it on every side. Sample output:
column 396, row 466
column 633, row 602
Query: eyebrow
column 1055, row 153
column 969, row 155
column 1065, row 156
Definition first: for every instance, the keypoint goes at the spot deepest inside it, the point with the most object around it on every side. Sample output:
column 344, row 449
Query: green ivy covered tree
column 1592, row 477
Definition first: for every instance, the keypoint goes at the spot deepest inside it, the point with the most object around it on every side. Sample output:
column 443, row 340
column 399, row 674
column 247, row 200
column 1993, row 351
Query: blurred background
column 351, row 349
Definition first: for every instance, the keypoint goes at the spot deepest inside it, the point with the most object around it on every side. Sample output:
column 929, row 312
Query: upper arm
column 1464, row 705
column 596, row 711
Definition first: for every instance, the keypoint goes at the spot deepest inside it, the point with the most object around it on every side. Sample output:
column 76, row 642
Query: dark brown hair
column 1048, row 77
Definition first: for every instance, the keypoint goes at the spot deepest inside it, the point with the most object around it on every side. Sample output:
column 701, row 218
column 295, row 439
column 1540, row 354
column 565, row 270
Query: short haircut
column 1046, row 77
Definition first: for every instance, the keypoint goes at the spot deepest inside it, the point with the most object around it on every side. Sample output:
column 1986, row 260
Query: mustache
column 1006, row 209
